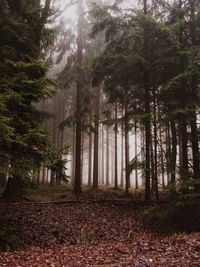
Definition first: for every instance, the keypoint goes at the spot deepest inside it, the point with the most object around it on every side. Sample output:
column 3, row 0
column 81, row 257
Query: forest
column 99, row 133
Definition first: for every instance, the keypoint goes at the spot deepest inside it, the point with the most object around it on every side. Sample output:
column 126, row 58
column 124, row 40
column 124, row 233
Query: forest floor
column 86, row 232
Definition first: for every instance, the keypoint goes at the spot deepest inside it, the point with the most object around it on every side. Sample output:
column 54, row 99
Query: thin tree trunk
column 147, row 120
column 162, row 159
column 82, row 158
column 54, row 132
column 96, row 141
column 183, row 158
column 107, row 157
column 102, row 151
column 127, row 156
column 90, row 161
column 73, row 157
column 43, row 174
column 152, row 164
column 116, row 150
column 100, row 154
column 122, row 159
column 155, row 147
column 143, row 154
column 136, row 158
column 168, row 151
column 174, row 153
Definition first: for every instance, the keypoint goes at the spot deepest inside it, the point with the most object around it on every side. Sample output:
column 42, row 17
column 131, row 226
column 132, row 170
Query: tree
column 23, row 84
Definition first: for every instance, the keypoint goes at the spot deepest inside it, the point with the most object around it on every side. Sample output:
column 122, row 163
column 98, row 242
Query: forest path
column 92, row 234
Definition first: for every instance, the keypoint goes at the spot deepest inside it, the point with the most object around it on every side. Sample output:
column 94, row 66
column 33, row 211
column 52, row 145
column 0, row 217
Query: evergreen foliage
column 23, row 83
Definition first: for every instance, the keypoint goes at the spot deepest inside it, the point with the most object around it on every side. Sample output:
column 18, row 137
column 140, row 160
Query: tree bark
column 155, row 146
column 90, row 161
column 96, row 141
column 162, row 159
column 102, row 151
column 136, row 158
column 127, row 156
column 174, row 153
column 77, row 179
column 116, row 149
column 147, row 119
column 107, row 157
column 183, row 150
column 194, row 87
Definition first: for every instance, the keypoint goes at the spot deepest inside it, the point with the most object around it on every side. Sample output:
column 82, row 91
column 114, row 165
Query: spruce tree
column 23, row 83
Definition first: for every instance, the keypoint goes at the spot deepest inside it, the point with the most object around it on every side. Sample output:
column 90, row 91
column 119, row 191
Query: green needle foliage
column 23, row 83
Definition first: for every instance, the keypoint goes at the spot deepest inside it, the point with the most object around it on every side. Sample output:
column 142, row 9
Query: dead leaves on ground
column 92, row 235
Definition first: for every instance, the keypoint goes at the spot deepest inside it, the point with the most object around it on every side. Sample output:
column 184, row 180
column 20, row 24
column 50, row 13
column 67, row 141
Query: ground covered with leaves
column 91, row 234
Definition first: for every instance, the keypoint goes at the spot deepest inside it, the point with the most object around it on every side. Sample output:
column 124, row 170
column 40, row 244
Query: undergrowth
column 177, row 215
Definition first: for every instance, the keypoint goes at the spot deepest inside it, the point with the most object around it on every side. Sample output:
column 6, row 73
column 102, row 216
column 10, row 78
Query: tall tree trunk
column 183, row 139
column 73, row 155
column 162, row 158
column 54, row 135
column 142, row 140
column 116, row 149
column 90, row 161
column 107, row 157
column 183, row 151
column 155, row 145
column 147, row 120
column 82, row 157
column 113, row 162
column 100, row 154
column 122, row 158
column 195, row 151
column 43, row 174
column 168, row 151
column 77, row 180
column 174, row 153
column 194, row 87
column 96, row 141
column 127, row 156
column 152, row 164
column 136, row 157
column 102, row 151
